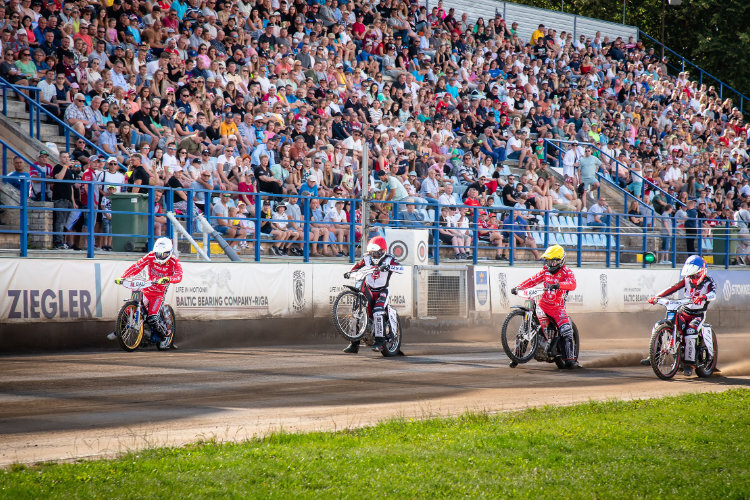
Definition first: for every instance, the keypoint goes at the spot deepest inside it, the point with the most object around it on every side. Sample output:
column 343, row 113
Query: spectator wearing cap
column 113, row 174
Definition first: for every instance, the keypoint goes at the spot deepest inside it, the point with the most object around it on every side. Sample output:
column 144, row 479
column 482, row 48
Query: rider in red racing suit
column 376, row 288
column 163, row 267
column 699, row 287
column 558, row 280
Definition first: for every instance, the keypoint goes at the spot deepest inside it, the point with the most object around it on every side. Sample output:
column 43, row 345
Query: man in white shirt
column 570, row 161
column 447, row 197
column 595, row 218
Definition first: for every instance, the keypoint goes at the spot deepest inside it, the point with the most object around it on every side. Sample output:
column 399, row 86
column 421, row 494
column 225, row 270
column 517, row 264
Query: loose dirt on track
column 100, row 404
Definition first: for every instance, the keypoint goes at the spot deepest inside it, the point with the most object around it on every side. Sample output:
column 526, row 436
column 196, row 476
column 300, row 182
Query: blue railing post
column 91, row 215
column 645, row 245
column 579, row 238
column 436, row 241
column 353, row 232
column 189, row 219
column 546, row 228
column 258, row 208
column 617, row 240
column 726, row 245
column 24, row 217
column 608, row 239
column 150, row 218
column 512, row 246
column 674, row 243
column 475, row 235
column 170, row 208
column 306, row 215
column 396, row 213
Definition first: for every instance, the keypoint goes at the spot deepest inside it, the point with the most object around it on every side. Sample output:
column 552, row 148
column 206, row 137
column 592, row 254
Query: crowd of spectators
column 280, row 97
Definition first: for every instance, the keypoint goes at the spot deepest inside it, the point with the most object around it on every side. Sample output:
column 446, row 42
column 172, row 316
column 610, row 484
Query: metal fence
column 465, row 233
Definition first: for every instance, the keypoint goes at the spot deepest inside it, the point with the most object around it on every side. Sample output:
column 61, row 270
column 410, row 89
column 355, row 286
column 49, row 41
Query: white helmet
column 162, row 250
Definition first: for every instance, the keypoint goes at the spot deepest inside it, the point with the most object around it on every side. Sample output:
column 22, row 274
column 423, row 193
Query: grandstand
column 236, row 109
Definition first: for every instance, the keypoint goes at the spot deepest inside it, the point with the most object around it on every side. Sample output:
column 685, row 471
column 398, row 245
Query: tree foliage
column 710, row 33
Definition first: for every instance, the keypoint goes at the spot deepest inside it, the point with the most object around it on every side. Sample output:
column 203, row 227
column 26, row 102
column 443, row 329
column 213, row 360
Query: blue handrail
column 41, row 109
column 722, row 85
column 566, row 228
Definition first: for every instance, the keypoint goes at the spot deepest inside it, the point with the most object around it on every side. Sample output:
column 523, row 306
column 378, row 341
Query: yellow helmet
column 554, row 258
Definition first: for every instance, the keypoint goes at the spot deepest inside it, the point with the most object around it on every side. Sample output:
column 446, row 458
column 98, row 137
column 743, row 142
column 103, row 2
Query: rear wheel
column 665, row 352
column 349, row 315
column 129, row 328
column 169, row 328
column 392, row 339
column 706, row 363
column 518, row 343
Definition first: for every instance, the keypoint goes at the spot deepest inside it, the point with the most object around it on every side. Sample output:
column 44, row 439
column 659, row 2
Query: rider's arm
column 568, row 280
column 138, row 266
column 395, row 267
column 534, row 280
column 358, row 265
column 672, row 289
column 176, row 271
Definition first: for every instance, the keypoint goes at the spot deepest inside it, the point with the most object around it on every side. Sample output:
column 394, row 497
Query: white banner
column 598, row 290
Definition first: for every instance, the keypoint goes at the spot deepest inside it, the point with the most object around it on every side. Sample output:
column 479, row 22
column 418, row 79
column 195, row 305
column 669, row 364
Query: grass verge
column 695, row 445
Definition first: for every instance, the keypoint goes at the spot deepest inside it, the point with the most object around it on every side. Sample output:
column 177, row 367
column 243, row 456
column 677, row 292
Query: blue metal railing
column 36, row 110
column 702, row 74
column 530, row 229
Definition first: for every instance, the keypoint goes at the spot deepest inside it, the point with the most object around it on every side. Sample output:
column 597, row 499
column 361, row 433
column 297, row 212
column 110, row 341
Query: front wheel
column 706, row 364
column 349, row 315
column 129, row 328
column 519, row 343
column 392, row 339
column 665, row 352
column 169, row 328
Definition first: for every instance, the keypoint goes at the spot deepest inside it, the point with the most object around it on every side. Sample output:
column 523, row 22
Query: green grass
column 691, row 446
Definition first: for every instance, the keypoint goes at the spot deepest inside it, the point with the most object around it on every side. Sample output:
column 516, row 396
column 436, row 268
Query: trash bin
column 129, row 223
column 720, row 244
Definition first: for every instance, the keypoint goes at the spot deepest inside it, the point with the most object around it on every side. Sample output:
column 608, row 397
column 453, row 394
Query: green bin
column 720, row 243
column 129, row 223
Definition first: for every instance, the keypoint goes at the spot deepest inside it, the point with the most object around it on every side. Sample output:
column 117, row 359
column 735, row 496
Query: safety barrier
column 614, row 239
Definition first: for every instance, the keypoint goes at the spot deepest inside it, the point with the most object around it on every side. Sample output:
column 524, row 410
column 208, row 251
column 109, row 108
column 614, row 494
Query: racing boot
column 572, row 364
column 157, row 333
column 353, row 347
column 687, row 370
column 646, row 361
column 379, row 333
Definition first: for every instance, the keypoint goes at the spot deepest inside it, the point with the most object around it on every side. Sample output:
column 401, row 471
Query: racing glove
column 553, row 286
column 652, row 300
column 384, row 268
column 699, row 299
column 514, row 291
column 118, row 281
column 162, row 281
column 346, row 275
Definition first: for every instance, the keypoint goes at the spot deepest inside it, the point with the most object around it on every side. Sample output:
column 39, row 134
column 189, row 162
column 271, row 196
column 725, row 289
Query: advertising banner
column 481, row 288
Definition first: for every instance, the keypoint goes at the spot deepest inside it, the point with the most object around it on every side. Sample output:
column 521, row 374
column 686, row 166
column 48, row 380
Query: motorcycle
column 352, row 317
column 667, row 346
column 529, row 339
column 132, row 316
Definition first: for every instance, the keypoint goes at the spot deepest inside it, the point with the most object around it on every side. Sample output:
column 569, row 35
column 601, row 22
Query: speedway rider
column 699, row 287
column 376, row 287
column 164, row 268
column 558, row 280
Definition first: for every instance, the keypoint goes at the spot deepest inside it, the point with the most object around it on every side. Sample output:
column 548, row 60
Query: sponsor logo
column 604, row 299
column 399, row 250
column 422, row 252
column 735, row 290
column 482, row 296
column 49, row 304
column 481, row 277
column 298, row 290
column 502, row 286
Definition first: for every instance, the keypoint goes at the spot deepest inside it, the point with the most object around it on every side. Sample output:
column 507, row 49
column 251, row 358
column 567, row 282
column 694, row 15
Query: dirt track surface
column 86, row 405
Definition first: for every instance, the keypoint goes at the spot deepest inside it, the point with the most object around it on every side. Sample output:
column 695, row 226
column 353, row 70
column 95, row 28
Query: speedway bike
column 352, row 317
column 524, row 338
column 132, row 317
column 667, row 346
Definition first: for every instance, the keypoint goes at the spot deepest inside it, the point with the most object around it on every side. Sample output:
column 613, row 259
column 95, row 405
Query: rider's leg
column 691, row 338
column 154, row 300
column 378, row 318
column 565, row 329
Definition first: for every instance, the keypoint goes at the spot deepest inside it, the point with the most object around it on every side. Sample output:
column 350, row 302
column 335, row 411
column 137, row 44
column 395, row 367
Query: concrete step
column 46, row 129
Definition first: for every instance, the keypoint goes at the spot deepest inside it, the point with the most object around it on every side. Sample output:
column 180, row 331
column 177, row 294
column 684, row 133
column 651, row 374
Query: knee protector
column 155, row 325
column 566, row 333
column 690, row 347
